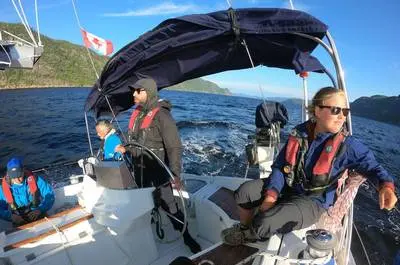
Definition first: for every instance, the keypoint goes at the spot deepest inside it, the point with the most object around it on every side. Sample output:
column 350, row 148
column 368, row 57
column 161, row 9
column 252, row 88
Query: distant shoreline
column 89, row 87
column 33, row 87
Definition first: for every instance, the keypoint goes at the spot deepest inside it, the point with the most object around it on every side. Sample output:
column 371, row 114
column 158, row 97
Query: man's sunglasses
column 336, row 110
column 137, row 90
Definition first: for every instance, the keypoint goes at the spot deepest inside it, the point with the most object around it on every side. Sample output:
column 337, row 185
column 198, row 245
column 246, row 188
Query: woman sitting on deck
column 305, row 173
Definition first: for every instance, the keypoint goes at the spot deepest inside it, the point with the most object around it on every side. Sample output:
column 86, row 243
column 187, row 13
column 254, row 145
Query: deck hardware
column 83, row 234
column 30, row 257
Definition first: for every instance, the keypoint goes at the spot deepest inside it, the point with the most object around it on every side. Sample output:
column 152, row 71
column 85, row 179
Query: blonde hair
column 105, row 124
column 322, row 95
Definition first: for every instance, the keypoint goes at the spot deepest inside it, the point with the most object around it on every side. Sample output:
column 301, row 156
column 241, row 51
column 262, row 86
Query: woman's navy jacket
column 356, row 156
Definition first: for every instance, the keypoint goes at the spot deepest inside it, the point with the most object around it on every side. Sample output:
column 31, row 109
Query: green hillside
column 64, row 64
column 201, row 85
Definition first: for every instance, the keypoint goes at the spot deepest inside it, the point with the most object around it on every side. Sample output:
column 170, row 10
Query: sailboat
column 17, row 52
column 96, row 222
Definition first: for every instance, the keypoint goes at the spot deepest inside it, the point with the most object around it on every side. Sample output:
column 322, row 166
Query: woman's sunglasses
column 336, row 110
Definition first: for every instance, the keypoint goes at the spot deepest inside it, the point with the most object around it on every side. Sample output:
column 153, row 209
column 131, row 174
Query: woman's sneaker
column 238, row 235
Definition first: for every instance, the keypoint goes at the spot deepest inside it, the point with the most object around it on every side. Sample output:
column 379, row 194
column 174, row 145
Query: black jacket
column 162, row 137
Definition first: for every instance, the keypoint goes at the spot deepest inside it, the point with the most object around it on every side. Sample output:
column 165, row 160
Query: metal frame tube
column 304, row 114
column 341, row 81
column 88, row 134
column 332, row 51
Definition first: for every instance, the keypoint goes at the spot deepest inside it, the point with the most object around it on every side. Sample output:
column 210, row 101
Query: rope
column 173, row 217
column 87, row 49
column 61, row 234
column 322, row 260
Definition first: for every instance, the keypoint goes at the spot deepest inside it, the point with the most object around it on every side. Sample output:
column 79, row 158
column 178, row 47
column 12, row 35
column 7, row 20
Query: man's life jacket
column 295, row 161
column 146, row 121
column 33, row 190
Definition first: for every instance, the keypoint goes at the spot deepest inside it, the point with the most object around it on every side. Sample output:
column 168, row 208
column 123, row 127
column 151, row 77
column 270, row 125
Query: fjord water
column 47, row 126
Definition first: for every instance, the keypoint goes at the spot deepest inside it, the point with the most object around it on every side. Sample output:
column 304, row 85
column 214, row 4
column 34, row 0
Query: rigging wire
column 37, row 23
column 27, row 23
column 252, row 65
column 18, row 38
column 97, row 75
column 291, row 4
column 61, row 234
column 115, row 118
column 358, row 234
column 80, row 27
column 23, row 22
column 362, row 244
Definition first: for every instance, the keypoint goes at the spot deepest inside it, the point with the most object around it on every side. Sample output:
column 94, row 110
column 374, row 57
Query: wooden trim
column 31, row 224
column 46, row 234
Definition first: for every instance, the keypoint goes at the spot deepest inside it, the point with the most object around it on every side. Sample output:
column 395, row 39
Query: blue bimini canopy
column 193, row 46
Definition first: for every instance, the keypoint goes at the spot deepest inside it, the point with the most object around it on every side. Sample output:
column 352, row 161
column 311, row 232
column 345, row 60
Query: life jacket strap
column 149, row 118
column 7, row 192
column 134, row 116
column 325, row 160
column 32, row 186
column 146, row 121
column 295, row 155
column 33, row 189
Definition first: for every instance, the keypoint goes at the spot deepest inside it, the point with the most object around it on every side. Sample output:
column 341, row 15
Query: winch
column 320, row 244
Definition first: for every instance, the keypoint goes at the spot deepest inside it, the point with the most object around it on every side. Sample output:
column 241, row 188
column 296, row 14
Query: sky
column 366, row 34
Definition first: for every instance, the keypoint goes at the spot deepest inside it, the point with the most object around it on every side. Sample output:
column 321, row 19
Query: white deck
column 87, row 241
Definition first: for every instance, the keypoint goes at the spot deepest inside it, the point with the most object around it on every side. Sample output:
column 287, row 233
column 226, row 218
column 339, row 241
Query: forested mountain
column 64, row 64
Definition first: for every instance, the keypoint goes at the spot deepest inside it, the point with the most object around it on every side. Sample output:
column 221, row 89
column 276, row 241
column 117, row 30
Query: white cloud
column 166, row 8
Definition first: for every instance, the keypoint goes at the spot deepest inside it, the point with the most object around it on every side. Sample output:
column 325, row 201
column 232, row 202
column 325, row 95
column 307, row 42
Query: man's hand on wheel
column 177, row 184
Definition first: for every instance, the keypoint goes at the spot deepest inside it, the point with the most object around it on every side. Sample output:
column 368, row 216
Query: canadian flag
column 100, row 45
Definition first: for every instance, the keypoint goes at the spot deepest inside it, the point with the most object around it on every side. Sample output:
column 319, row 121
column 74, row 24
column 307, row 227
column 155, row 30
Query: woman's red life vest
column 322, row 168
column 32, row 185
column 146, row 121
